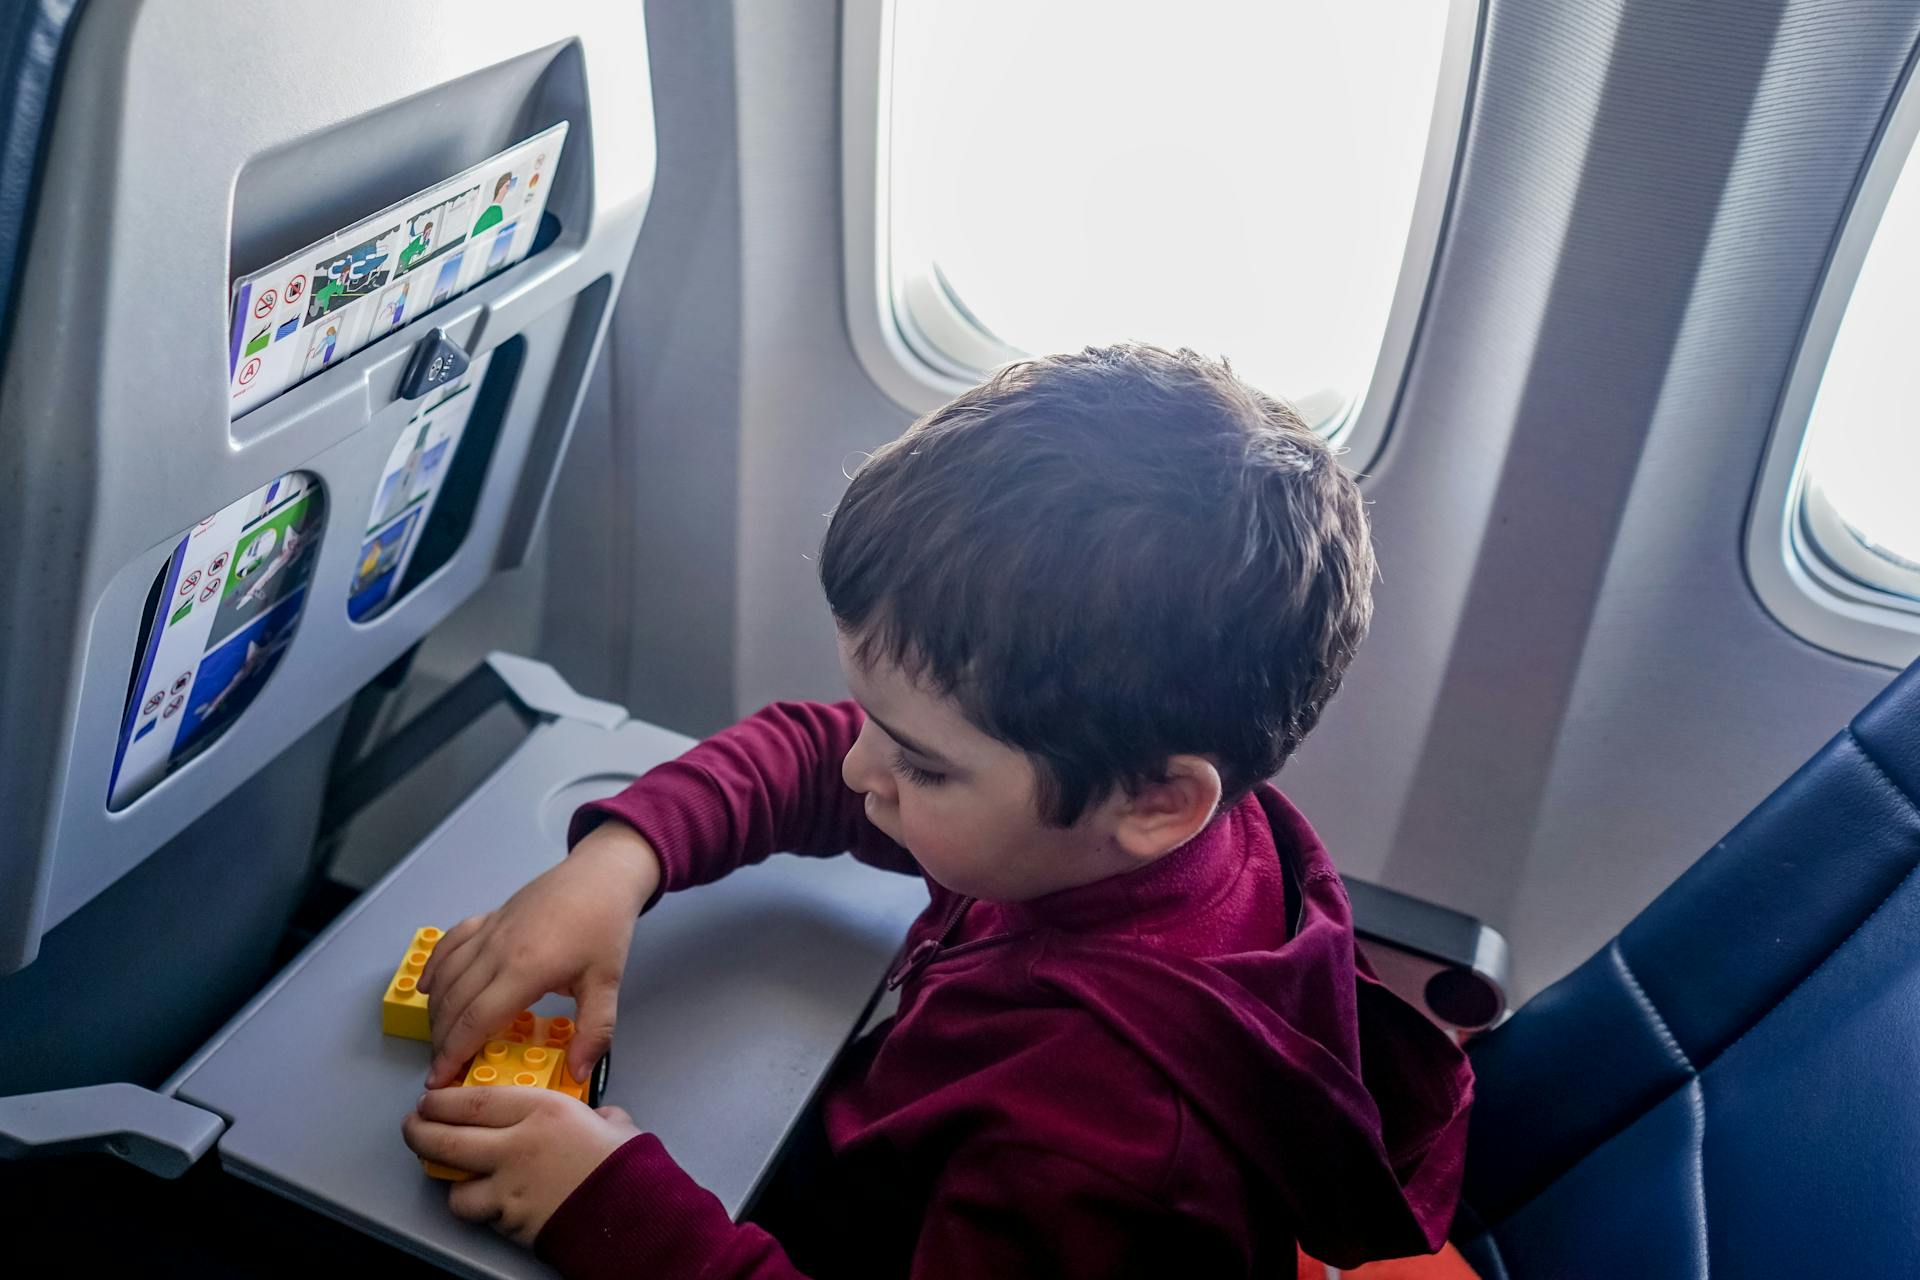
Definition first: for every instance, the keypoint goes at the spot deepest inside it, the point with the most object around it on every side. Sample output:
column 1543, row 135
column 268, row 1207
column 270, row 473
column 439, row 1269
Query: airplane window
column 1237, row 176
column 1862, row 449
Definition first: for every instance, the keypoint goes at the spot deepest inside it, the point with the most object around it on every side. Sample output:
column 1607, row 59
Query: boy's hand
column 527, row 1149
column 566, row 931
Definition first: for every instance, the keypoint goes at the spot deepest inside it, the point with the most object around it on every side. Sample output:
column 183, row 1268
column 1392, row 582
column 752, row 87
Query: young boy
column 1085, row 610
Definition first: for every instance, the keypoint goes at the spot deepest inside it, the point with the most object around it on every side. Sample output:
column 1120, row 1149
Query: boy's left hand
column 527, row 1149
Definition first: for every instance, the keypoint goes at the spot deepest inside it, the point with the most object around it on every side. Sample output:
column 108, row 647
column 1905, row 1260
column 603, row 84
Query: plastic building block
column 531, row 1052
column 403, row 1010
column 564, row 1082
column 503, row 1062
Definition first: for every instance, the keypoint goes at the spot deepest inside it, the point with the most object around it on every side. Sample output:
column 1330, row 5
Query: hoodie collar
column 1189, row 879
column 1350, row 1103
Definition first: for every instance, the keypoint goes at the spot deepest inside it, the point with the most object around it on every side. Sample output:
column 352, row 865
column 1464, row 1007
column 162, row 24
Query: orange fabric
column 1444, row 1265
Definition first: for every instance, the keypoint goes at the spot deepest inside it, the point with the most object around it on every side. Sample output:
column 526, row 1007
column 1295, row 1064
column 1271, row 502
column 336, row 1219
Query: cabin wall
column 1571, row 690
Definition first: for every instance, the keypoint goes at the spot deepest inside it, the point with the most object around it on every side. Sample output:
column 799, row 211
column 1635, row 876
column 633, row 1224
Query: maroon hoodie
column 1181, row 1070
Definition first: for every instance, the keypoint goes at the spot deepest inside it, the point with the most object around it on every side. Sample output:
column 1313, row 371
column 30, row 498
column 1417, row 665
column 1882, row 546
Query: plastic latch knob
column 437, row 361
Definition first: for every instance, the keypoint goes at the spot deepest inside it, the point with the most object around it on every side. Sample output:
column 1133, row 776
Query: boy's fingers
column 475, row 1201
column 598, row 998
column 616, row 1114
column 442, row 1072
column 465, row 1013
column 441, row 959
column 447, row 1063
column 472, row 1148
column 480, row 1106
column 481, row 1019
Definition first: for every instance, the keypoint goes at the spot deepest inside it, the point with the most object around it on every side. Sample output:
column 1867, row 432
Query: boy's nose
column 863, row 770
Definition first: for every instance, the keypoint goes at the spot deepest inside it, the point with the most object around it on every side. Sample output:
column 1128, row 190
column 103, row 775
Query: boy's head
column 1126, row 569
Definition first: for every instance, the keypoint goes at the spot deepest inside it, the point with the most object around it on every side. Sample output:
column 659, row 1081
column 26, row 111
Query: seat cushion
column 1728, row 1087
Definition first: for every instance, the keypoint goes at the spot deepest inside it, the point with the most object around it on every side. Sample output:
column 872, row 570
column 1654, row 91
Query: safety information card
column 228, row 603
column 314, row 308
column 405, row 496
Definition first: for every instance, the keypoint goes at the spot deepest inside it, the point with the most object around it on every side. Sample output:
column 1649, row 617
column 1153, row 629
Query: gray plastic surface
column 136, row 980
column 162, row 1135
column 538, row 687
column 207, row 140
column 1409, row 941
column 737, row 997
column 1414, row 924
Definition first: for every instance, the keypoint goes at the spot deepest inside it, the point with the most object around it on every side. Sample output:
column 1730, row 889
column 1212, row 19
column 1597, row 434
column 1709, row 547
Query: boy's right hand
column 567, row 931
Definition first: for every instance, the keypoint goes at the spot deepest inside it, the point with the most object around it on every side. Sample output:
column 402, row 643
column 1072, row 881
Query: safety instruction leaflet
column 407, row 490
column 226, row 609
column 314, row 308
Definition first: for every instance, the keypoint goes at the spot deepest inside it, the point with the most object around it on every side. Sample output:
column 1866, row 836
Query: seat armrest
column 162, row 1135
column 1446, row 963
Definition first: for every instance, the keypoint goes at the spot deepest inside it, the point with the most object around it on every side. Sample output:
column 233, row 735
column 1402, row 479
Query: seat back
column 217, row 571
column 1728, row 1087
column 249, row 566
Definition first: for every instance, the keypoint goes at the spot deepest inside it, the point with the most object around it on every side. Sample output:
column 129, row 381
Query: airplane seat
column 1727, row 1087
column 184, row 900
column 134, row 922
column 192, row 364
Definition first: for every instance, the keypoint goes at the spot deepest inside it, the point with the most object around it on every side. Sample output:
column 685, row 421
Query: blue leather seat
column 1731, row 1087
column 33, row 38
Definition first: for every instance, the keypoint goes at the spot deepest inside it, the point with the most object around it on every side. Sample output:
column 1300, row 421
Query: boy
column 1085, row 610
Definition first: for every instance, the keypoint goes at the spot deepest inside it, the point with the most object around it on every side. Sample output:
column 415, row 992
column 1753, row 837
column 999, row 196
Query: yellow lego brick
column 403, row 1010
column 507, row 1062
column 530, row 1052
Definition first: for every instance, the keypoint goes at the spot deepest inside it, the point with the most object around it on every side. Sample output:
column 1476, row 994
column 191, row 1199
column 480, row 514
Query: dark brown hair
column 1107, row 559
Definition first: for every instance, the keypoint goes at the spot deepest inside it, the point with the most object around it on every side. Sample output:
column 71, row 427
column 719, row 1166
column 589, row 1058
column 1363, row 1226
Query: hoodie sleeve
column 998, row 1210
column 768, row 784
column 639, row 1214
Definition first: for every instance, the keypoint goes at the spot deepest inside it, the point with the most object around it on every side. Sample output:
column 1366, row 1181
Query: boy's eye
column 914, row 773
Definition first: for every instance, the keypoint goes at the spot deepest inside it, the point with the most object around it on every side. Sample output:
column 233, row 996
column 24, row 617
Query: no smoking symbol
column 188, row 583
column 264, row 306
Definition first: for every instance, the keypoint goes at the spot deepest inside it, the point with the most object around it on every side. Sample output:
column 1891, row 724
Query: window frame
column 919, row 345
column 1810, row 570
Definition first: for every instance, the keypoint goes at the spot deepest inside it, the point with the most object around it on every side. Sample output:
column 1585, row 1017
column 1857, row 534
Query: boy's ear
column 1165, row 814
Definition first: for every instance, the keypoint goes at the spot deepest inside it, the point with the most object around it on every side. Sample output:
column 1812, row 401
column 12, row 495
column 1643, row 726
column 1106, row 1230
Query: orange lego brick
column 555, row 1033
column 510, row 1062
column 530, row 1052
column 403, row 1009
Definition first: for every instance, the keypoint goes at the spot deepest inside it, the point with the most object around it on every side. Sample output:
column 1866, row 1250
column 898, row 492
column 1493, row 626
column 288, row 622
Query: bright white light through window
column 1236, row 176
column 1864, row 434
